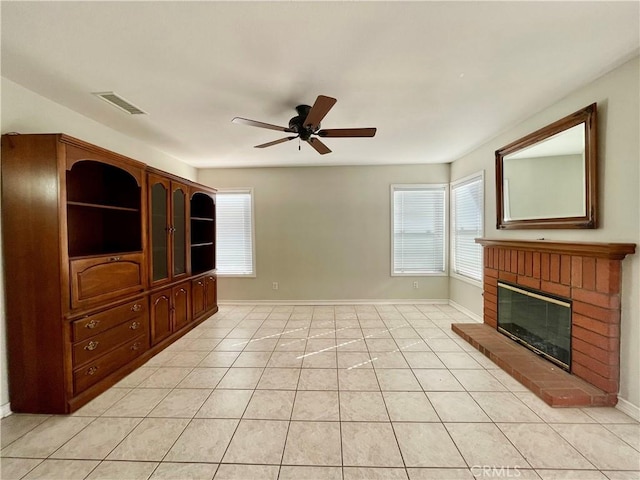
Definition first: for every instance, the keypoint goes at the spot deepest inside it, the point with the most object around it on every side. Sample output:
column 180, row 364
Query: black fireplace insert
column 539, row 321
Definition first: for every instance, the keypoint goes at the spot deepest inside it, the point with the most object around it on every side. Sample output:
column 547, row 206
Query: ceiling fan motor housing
column 297, row 123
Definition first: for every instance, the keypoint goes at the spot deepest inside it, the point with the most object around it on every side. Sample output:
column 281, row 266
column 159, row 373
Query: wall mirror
column 548, row 178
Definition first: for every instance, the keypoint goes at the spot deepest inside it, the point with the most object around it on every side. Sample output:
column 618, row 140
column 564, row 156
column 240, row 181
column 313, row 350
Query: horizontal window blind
column 234, row 233
column 418, row 229
column 467, row 224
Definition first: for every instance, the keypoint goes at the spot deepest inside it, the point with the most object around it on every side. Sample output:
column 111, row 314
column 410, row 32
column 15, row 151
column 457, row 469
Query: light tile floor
column 325, row 392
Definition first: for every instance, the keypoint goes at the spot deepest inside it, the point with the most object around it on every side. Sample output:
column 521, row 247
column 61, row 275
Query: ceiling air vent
column 119, row 102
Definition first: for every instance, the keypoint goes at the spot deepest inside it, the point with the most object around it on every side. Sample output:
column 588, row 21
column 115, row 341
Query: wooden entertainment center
column 107, row 261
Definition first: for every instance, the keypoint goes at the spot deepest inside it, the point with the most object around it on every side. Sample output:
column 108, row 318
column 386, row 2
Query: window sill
column 421, row 274
column 462, row 278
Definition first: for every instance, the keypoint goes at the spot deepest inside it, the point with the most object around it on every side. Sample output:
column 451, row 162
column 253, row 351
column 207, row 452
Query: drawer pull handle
column 91, row 371
column 92, row 324
column 114, row 259
column 135, row 346
column 91, row 346
column 134, row 325
column 136, row 307
column 200, row 283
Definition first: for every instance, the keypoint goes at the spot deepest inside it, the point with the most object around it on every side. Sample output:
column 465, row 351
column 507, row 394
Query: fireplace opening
column 539, row 321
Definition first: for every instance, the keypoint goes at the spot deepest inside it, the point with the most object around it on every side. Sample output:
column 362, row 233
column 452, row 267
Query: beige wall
column 323, row 233
column 26, row 112
column 617, row 95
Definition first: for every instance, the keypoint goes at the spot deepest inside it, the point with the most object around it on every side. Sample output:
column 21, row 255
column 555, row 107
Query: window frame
column 253, row 273
column 457, row 183
column 445, row 229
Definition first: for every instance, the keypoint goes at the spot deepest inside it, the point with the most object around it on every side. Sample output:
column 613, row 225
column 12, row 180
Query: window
column 234, row 233
column 419, row 229
column 467, row 224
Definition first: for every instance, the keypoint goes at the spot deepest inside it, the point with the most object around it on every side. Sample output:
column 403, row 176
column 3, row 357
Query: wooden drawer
column 102, row 366
column 98, row 279
column 100, row 344
column 94, row 324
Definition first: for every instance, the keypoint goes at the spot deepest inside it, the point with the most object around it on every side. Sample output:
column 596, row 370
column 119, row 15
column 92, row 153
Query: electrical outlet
column 415, row 284
column 275, row 285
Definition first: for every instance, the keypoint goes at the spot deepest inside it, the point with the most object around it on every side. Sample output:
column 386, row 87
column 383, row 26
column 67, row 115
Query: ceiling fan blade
column 320, row 147
column 320, row 108
column 275, row 142
column 347, row 132
column 253, row 123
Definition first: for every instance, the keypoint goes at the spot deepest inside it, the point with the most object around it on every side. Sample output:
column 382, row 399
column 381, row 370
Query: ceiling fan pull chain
column 299, row 144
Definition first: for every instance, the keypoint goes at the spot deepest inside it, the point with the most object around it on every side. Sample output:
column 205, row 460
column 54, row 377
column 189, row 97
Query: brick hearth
column 589, row 274
column 552, row 384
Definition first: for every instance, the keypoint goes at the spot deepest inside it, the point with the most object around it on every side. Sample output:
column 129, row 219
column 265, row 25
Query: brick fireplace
column 587, row 274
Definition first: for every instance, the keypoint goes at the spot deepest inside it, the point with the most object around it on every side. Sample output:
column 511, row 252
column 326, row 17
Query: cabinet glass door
column 179, row 232
column 159, row 232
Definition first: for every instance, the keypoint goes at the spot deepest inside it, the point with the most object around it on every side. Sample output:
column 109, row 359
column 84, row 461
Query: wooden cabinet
column 99, row 251
column 204, row 295
column 73, row 236
column 170, row 311
column 168, row 229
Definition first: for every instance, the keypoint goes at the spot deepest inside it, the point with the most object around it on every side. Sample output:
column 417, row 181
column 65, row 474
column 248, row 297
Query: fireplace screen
column 538, row 321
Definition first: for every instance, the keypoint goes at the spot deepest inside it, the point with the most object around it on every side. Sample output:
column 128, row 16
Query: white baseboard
column 5, row 410
column 419, row 301
column 466, row 311
column 628, row 408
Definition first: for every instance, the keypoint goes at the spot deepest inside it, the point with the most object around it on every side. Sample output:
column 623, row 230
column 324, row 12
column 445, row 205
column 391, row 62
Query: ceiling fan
column 306, row 126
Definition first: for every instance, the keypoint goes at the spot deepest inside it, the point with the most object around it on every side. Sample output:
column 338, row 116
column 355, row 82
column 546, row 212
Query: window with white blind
column 234, row 233
column 467, row 224
column 418, row 239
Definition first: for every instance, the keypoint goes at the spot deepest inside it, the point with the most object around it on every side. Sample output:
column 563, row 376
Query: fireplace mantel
column 589, row 274
column 613, row 251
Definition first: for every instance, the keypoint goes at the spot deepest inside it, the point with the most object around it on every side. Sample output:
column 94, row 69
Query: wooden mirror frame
column 588, row 116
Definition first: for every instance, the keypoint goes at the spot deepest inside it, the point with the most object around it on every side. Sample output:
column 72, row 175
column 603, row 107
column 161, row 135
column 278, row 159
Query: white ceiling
column 436, row 78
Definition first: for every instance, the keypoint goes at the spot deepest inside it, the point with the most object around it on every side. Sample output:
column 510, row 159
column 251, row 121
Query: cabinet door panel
column 211, row 294
column 198, row 297
column 181, row 306
column 179, row 229
column 159, row 228
column 160, row 316
column 97, row 279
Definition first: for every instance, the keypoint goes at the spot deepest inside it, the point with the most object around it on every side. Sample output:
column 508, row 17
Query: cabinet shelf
column 114, row 253
column 106, row 207
column 202, row 219
column 90, row 184
column 203, row 244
